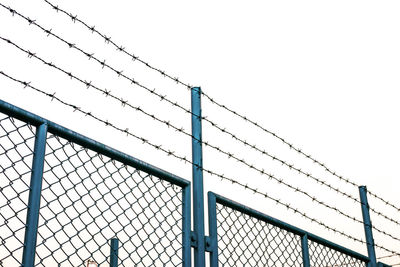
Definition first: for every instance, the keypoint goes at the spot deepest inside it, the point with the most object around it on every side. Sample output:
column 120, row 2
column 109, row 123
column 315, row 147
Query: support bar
column 32, row 217
column 304, row 250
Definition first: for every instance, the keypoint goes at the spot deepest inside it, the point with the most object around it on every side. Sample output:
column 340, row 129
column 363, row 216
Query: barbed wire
column 291, row 146
column 102, row 63
column 180, row 129
column 125, row 103
column 230, row 155
column 168, row 152
column 207, row 144
column 122, row 49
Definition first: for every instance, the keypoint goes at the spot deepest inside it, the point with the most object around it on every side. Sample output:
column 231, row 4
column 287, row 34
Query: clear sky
column 322, row 74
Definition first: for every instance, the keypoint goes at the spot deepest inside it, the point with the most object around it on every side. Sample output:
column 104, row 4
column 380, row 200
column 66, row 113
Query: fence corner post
column 197, row 170
column 367, row 226
column 35, row 190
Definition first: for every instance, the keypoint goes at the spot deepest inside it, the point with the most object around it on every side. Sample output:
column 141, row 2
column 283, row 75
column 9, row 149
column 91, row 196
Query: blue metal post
column 212, row 225
column 186, row 227
column 367, row 226
column 304, row 250
column 32, row 217
column 114, row 252
column 198, row 195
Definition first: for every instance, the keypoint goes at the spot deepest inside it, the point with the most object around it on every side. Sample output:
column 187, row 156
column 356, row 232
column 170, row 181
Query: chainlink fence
column 321, row 255
column 87, row 199
column 92, row 196
column 247, row 241
column 16, row 152
column 246, row 237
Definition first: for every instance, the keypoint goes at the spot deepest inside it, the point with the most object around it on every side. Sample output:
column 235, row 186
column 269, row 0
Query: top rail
column 84, row 141
column 290, row 228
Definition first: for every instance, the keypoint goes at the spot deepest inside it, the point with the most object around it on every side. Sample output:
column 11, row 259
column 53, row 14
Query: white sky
column 322, row 74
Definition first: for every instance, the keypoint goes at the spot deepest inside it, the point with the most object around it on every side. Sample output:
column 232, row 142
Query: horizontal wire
column 167, row 123
column 182, row 158
column 102, row 63
column 291, row 146
column 291, row 166
column 387, row 256
column 120, row 48
column 261, row 171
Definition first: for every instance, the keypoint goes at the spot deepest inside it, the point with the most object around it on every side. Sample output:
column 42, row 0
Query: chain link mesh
column 323, row 256
column 16, row 153
column 88, row 199
column 246, row 241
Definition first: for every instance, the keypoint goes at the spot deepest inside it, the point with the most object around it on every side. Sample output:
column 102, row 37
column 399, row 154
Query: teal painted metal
column 367, row 226
column 114, row 252
column 304, row 250
column 198, row 193
column 212, row 225
column 186, row 227
column 380, row 264
column 32, row 218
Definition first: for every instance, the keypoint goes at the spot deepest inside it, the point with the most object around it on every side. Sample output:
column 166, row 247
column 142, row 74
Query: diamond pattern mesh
column 16, row 153
column 322, row 256
column 247, row 241
column 88, row 199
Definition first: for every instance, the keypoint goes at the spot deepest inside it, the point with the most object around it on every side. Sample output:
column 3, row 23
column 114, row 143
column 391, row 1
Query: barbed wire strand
column 122, row 49
column 291, row 166
column 125, row 103
column 75, row 108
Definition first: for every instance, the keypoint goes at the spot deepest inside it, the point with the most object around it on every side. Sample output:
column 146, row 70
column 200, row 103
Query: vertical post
column 304, row 250
column 212, row 225
column 114, row 252
column 186, row 227
column 198, row 195
column 367, row 226
column 32, row 217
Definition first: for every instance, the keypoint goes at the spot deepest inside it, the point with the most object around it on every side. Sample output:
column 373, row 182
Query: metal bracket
column 193, row 239
column 208, row 246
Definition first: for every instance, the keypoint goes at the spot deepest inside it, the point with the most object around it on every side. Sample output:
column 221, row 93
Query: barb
column 182, row 158
column 118, row 47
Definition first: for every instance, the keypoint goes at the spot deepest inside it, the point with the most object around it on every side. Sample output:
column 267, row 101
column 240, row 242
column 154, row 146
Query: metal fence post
column 114, row 252
column 304, row 251
column 367, row 226
column 198, row 194
column 32, row 217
